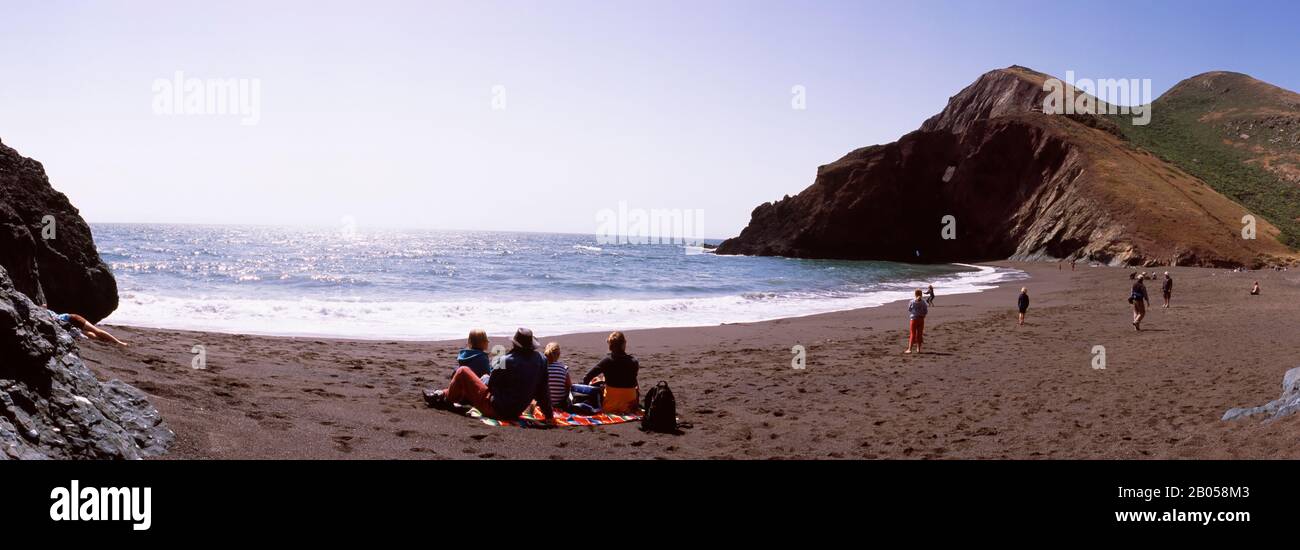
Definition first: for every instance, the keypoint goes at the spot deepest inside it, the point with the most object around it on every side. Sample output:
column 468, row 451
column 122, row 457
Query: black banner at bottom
column 324, row 499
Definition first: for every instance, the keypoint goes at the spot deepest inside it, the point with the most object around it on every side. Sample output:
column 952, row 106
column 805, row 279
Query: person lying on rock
column 72, row 321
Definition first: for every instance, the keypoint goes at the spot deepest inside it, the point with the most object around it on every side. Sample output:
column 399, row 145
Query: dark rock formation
column 64, row 272
column 1017, row 184
column 1010, row 91
column 52, row 406
column 1286, row 405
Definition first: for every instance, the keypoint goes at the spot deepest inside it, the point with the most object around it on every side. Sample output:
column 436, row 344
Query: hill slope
column 1018, row 184
column 1240, row 135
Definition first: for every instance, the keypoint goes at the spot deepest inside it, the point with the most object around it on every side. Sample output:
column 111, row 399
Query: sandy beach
column 983, row 389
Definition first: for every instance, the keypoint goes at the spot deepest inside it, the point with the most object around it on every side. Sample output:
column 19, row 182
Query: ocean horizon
column 427, row 284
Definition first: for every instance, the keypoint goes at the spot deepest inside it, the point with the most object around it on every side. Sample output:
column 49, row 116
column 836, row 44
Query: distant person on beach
column 1138, row 297
column 519, row 378
column 1254, row 291
column 1022, row 305
column 1072, row 265
column 929, row 296
column 85, row 328
column 619, row 371
column 557, row 377
column 476, row 355
column 916, row 312
column 1167, row 289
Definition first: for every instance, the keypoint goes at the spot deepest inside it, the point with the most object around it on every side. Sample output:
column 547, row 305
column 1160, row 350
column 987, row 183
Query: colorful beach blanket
column 562, row 419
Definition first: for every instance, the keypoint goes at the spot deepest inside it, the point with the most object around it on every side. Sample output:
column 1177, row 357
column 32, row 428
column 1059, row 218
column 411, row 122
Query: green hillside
column 1198, row 125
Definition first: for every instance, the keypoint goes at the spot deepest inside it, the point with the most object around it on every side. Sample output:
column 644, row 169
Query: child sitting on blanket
column 557, row 375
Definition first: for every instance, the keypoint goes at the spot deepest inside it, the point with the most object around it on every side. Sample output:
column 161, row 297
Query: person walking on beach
column 929, row 296
column 916, row 312
column 1254, row 291
column 1167, row 289
column 1138, row 297
column 1022, row 304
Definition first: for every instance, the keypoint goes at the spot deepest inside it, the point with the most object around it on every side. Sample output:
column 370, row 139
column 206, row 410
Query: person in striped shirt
column 557, row 377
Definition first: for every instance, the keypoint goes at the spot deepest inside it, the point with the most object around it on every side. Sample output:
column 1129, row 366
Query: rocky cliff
column 52, row 406
column 1008, row 181
column 64, row 271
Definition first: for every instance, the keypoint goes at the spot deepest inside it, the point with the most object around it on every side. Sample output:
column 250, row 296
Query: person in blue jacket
column 476, row 355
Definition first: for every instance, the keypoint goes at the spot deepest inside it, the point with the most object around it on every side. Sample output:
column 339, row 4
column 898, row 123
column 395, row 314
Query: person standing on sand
column 1167, row 289
column 1022, row 304
column 1254, row 291
column 916, row 312
column 929, row 296
column 1138, row 297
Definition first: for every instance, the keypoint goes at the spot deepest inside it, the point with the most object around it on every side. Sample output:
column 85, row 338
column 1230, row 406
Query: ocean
column 427, row 285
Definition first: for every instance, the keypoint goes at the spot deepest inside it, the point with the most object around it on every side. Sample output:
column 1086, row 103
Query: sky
column 539, row 116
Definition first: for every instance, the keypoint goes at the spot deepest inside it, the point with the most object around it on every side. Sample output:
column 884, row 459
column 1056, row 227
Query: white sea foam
column 409, row 320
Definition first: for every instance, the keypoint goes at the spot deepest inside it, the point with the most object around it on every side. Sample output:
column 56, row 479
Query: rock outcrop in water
column 1008, row 182
column 52, row 406
column 66, row 271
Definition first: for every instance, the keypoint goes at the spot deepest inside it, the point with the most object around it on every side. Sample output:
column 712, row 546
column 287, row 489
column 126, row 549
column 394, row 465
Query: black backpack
column 660, row 410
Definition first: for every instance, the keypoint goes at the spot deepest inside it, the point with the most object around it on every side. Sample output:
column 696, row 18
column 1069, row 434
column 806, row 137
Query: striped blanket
column 562, row 419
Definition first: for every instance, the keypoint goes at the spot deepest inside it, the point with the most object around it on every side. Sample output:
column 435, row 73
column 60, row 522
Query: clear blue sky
column 382, row 110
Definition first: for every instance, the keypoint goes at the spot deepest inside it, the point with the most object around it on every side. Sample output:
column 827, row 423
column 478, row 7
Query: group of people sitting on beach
column 533, row 375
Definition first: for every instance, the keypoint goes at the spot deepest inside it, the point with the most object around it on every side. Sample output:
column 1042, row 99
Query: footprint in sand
column 343, row 443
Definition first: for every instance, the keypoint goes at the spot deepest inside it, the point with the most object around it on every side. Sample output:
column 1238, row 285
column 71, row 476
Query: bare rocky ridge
column 1019, row 184
column 65, row 272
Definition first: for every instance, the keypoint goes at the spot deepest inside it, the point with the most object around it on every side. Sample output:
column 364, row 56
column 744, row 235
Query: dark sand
column 984, row 388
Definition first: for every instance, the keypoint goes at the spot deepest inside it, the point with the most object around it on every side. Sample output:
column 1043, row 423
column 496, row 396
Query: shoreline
column 503, row 336
column 983, row 389
column 966, row 287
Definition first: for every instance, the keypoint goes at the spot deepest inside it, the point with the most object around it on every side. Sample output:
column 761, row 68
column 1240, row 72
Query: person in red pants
column 519, row 378
column 916, row 312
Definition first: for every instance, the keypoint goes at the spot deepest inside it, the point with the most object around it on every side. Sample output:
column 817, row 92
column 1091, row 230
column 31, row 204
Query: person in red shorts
column 916, row 312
